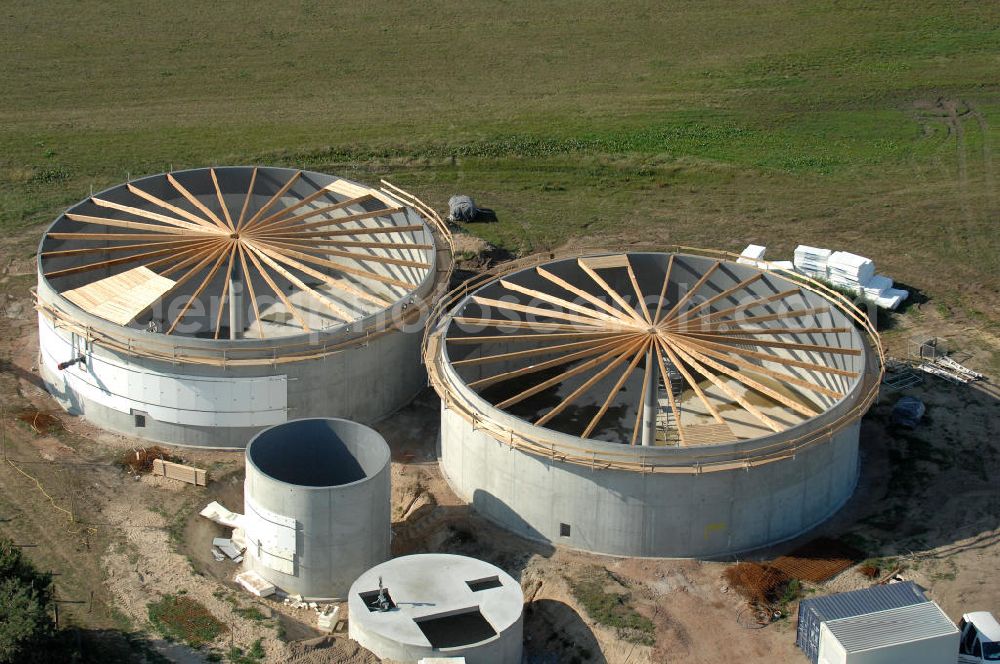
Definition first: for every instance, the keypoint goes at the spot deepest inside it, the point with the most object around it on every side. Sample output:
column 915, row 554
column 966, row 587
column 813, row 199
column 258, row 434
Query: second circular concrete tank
column 659, row 404
column 317, row 504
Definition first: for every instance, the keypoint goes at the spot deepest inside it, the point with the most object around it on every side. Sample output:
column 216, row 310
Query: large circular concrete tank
column 317, row 505
column 652, row 404
column 198, row 307
column 438, row 605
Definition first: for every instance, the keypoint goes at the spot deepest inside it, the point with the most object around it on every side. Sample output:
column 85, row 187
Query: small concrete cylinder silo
column 317, row 504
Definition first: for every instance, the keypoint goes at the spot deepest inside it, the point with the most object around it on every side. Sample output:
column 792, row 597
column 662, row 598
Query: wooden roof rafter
column 559, row 302
column 337, row 310
column 377, row 300
column 749, row 382
column 525, row 324
column 542, row 366
column 589, row 383
column 742, row 285
column 534, row 352
column 725, row 388
column 555, row 380
column 191, row 198
column 225, row 290
column 676, row 309
column 663, row 290
column 777, row 375
column 691, row 382
column 272, row 242
column 154, row 216
column 639, row 350
column 614, row 294
column 547, row 313
column 246, row 200
column 159, row 202
column 725, row 359
column 596, row 301
column 743, row 306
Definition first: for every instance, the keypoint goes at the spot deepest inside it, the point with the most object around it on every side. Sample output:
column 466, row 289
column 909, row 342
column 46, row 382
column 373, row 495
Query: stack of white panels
column 752, row 254
column 812, row 261
column 850, row 270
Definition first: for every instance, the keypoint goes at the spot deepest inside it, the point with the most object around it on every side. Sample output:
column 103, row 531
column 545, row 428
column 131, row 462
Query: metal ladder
column 666, row 426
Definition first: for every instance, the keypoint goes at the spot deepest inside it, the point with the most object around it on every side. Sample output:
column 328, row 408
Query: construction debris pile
column 40, row 422
column 758, row 584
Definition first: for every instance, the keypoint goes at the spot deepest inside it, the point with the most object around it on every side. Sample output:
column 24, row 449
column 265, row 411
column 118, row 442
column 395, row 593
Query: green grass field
column 866, row 126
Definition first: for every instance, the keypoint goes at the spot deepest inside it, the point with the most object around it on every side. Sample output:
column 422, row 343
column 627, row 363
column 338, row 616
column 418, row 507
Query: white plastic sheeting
column 877, row 286
column 215, row 511
column 891, row 298
column 175, row 398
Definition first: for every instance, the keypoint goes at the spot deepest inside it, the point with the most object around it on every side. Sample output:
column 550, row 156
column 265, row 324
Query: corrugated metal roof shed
column 814, row 611
column 882, row 629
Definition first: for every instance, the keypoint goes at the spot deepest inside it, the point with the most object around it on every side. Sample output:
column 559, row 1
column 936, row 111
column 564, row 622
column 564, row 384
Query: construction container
column 915, row 634
column 815, row 611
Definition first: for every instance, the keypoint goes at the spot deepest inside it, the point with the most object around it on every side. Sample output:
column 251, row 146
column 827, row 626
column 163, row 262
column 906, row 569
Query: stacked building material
column 847, row 270
column 753, row 255
column 811, row 261
column 326, row 618
column 781, row 265
column 880, row 291
column 850, row 270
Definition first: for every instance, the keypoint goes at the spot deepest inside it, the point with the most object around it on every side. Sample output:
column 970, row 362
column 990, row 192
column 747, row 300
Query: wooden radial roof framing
column 279, row 241
column 569, row 330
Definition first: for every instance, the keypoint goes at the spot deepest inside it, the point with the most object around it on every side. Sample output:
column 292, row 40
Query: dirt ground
column 928, row 499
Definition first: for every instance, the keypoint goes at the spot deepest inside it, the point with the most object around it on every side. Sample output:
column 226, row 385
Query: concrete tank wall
column 364, row 383
column 630, row 513
column 317, row 501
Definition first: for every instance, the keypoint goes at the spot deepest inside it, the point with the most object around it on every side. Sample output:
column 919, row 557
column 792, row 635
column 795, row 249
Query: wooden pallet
column 176, row 471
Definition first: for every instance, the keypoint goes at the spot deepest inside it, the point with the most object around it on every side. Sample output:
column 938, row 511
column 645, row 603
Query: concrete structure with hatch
column 438, row 605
